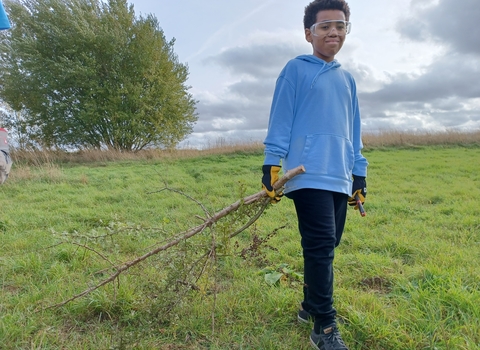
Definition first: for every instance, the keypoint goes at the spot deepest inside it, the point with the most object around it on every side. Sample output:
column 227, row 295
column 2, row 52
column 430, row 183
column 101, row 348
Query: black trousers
column 321, row 220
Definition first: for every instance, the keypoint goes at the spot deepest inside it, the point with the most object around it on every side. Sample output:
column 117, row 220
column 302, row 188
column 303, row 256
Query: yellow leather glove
column 353, row 200
column 359, row 189
column 270, row 176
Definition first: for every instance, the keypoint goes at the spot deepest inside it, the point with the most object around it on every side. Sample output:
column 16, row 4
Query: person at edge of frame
column 4, row 21
column 5, row 161
column 315, row 122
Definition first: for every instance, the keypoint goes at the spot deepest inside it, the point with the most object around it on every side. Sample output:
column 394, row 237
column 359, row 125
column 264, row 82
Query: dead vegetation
column 409, row 139
column 371, row 141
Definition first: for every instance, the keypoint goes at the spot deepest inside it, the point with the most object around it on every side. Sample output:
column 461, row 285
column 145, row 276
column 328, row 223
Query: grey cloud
column 246, row 103
column 441, row 97
column 440, row 114
column 258, row 61
column 377, row 114
column 364, row 76
column 237, row 113
column 451, row 22
column 369, row 112
column 255, row 89
column 450, row 76
column 448, row 104
column 389, row 123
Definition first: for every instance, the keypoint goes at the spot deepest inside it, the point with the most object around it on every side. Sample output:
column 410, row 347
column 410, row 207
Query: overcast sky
column 416, row 62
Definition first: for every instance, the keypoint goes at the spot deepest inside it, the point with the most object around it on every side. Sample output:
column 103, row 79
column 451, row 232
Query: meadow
column 407, row 273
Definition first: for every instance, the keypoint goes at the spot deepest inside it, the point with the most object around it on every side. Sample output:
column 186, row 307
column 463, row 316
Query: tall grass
column 405, row 139
column 39, row 157
column 372, row 141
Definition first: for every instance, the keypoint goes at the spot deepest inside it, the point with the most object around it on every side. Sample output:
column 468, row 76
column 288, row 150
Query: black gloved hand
column 359, row 189
column 270, row 176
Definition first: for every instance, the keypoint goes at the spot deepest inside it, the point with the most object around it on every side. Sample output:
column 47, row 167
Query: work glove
column 270, row 176
column 359, row 189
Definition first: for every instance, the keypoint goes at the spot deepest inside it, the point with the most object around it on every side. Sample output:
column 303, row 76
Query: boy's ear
column 308, row 35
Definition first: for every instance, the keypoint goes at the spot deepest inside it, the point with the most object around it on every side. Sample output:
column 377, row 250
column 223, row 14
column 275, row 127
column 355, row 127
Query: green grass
column 406, row 274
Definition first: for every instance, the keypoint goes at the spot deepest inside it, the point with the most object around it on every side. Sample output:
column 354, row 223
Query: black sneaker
column 304, row 316
column 328, row 339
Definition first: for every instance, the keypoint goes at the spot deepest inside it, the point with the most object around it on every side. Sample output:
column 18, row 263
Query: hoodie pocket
column 328, row 155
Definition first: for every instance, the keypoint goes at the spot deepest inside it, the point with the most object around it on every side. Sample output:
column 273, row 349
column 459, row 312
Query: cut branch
column 190, row 233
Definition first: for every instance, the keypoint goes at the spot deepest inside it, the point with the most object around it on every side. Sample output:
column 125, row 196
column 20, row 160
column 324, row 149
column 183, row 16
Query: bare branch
column 191, row 232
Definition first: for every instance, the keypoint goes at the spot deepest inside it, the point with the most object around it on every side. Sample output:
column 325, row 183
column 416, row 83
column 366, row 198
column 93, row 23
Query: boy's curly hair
column 319, row 5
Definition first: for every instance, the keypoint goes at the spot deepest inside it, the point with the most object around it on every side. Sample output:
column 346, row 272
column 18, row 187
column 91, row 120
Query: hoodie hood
column 323, row 66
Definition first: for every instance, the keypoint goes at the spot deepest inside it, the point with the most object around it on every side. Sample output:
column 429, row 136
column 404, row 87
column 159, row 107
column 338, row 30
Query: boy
column 315, row 122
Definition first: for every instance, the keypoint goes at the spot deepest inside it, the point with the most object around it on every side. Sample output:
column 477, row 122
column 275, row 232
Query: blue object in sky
column 4, row 22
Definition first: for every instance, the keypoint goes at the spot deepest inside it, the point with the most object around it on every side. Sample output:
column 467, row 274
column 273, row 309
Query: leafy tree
column 90, row 74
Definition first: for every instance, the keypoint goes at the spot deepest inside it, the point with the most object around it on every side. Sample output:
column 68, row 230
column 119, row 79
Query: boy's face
column 326, row 46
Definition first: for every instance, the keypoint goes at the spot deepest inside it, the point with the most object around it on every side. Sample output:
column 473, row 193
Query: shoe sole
column 302, row 320
column 312, row 343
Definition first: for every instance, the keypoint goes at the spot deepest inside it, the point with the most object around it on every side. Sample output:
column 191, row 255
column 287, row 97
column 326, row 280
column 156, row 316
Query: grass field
column 407, row 274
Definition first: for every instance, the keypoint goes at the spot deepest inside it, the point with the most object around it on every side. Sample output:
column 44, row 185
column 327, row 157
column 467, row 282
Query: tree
column 90, row 74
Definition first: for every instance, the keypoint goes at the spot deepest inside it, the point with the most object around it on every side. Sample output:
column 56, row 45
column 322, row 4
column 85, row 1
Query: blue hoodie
column 315, row 122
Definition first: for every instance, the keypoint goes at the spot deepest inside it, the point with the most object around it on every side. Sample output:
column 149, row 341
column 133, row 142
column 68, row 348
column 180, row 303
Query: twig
column 183, row 194
column 254, row 218
column 94, row 251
